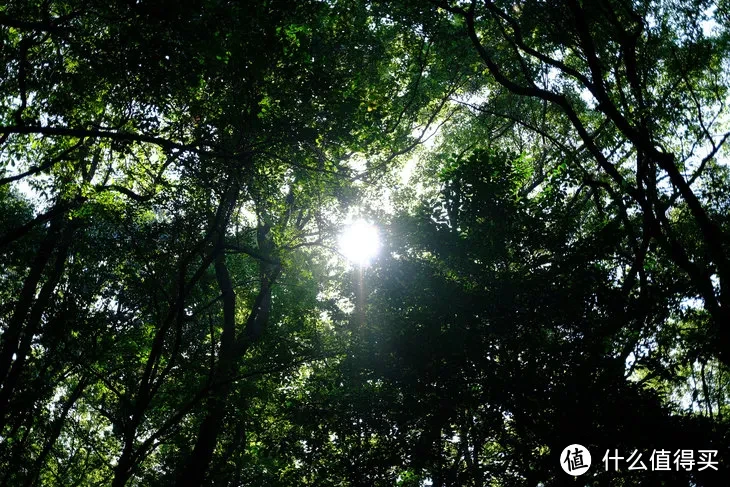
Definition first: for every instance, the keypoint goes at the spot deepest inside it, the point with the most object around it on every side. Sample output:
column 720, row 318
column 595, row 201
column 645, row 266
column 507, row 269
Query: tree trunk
column 199, row 460
column 232, row 349
column 20, row 340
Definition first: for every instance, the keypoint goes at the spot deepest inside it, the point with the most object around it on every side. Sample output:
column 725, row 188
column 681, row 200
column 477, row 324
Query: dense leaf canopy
column 550, row 182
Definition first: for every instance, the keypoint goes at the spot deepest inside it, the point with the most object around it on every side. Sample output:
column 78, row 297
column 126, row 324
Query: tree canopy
column 549, row 181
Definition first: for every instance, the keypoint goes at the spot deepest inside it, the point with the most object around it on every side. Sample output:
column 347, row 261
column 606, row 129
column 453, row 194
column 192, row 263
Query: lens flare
column 360, row 242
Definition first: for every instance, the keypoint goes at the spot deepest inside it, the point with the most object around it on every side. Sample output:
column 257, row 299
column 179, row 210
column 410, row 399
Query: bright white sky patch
column 360, row 242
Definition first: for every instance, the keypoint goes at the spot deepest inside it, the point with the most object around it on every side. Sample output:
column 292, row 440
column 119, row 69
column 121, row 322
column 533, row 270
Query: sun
column 360, row 242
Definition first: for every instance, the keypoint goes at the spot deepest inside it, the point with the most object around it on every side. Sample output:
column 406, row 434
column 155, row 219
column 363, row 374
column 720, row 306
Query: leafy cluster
column 173, row 177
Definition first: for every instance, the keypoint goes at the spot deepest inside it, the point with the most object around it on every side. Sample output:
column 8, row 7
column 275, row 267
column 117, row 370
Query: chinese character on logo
column 615, row 458
column 684, row 459
column 706, row 460
column 575, row 459
column 660, row 460
column 634, row 458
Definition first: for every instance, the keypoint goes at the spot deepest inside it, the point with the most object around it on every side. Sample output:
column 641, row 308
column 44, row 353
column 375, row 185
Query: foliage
column 173, row 177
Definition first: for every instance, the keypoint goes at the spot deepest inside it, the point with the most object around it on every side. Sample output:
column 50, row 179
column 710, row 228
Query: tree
column 173, row 177
column 484, row 350
column 625, row 76
column 148, row 132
